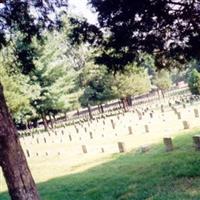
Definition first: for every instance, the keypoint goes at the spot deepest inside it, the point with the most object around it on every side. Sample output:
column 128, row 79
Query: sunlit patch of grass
column 154, row 175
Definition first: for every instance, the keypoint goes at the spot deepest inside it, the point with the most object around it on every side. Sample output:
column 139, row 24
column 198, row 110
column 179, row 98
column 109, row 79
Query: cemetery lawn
column 154, row 175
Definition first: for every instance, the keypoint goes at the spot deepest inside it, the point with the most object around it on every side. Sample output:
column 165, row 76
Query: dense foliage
column 168, row 29
column 54, row 76
column 65, row 77
column 162, row 80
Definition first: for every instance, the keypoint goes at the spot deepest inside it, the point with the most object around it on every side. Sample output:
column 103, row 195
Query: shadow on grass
column 154, row 175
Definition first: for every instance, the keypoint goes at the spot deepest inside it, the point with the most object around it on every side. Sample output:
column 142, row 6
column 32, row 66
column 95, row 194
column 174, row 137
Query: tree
column 162, row 80
column 16, row 88
column 166, row 28
column 97, row 85
column 13, row 85
column 194, row 82
column 18, row 16
column 133, row 81
column 101, row 86
column 51, row 86
column 55, row 75
column 178, row 75
column 193, row 77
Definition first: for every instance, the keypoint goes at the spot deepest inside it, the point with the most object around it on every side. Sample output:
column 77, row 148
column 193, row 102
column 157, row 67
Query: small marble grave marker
column 84, row 148
column 196, row 141
column 146, row 128
column 168, row 143
column 130, row 130
column 121, row 147
column 186, row 125
column 91, row 136
column 196, row 113
column 70, row 137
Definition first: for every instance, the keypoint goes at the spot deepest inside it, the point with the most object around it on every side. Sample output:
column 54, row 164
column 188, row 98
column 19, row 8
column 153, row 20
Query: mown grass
column 155, row 175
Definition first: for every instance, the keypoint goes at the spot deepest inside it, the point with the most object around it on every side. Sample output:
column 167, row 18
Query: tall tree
column 55, row 74
column 16, row 87
column 193, row 77
column 194, row 81
column 28, row 18
column 162, row 80
column 133, row 81
column 101, row 86
column 13, row 83
column 96, row 83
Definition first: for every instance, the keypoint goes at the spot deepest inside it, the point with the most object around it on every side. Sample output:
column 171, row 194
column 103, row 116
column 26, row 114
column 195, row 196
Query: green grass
column 155, row 175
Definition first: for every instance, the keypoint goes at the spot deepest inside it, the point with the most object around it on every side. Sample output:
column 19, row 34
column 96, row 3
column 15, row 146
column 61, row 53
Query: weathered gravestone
column 91, row 136
column 130, row 130
column 162, row 108
column 84, row 149
column 196, row 113
column 186, row 125
column 70, row 138
column 113, row 124
column 146, row 128
column 196, row 141
column 121, row 147
column 144, row 148
column 168, row 143
column 178, row 115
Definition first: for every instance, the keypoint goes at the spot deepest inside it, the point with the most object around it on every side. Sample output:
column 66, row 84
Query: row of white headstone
column 141, row 120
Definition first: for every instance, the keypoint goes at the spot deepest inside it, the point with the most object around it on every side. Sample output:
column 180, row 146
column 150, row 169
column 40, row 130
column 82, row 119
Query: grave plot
column 117, row 132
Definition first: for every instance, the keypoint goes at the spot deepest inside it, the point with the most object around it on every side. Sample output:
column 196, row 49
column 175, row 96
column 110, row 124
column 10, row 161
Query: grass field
column 154, row 175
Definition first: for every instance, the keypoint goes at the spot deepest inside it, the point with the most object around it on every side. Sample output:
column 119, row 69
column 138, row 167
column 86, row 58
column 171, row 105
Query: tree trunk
column 158, row 94
column 129, row 101
column 54, row 118
column 124, row 103
column 26, row 124
column 163, row 94
column 78, row 113
column 29, row 125
column 102, row 109
column 65, row 116
column 45, row 122
column 99, row 109
column 35, row 123
column 21, row 185
column 51, row 120
column 119, row 104
column 90, row 112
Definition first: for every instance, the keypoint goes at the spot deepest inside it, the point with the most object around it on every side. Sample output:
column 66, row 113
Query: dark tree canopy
column 167, row 28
